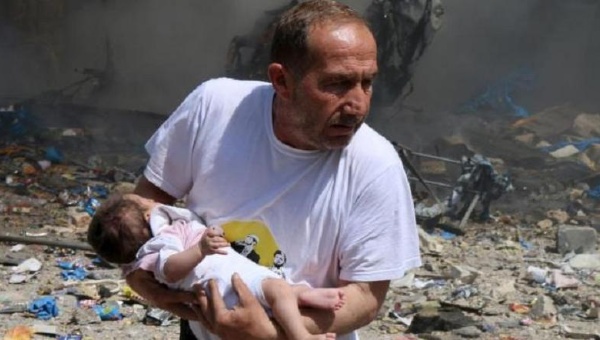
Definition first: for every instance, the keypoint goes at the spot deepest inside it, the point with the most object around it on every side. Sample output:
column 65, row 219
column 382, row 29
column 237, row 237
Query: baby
column 182, row 252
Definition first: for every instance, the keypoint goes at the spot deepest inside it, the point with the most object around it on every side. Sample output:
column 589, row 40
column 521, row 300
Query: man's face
column 332, row 98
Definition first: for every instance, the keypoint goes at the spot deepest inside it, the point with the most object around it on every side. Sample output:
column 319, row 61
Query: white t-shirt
column 342, row 214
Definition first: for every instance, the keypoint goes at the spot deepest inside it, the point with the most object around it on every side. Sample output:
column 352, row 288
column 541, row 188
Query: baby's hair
column 116, row 230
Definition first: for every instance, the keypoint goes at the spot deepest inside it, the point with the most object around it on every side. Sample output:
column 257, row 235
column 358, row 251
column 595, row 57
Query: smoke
column 481, row 42
column 159, row 51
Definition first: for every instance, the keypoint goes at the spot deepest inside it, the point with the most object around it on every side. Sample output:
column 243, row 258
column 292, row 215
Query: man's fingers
column 204, row 308
column 242, row 290
column 201, row 317
column 215, row 299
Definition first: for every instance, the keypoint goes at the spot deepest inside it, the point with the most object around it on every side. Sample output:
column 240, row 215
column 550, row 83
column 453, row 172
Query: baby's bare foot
column 323, row 298
column 341, row 300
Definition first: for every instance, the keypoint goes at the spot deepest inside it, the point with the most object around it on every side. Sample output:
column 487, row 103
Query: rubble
column 576, row 239
column 523, row 266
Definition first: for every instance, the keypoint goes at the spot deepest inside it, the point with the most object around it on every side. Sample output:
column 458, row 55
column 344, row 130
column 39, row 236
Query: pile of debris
column 525, row 265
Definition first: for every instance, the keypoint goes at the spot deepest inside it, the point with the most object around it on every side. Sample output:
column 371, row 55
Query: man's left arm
column 363, row 301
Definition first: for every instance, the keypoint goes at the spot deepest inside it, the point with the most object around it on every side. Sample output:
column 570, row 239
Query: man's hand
column 248, row 320
column 175, row 301
column 213, row 241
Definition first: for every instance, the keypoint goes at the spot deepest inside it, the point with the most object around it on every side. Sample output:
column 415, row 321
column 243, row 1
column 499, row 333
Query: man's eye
column 367, row 84
column 340, row 85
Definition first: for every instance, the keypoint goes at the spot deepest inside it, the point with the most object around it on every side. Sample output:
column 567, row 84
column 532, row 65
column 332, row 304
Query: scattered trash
column 29, row 265
column 519, row 308
column 76, row 274
column 44, row 308
column 536, row 274
column 20, row 332
column 108, row 311
column 158, row 317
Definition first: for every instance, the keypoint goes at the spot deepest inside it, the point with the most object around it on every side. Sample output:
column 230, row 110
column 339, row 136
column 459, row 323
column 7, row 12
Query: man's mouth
column 340, row 129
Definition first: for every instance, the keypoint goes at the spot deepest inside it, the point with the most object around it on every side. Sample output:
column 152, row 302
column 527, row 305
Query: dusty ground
column 477, row 280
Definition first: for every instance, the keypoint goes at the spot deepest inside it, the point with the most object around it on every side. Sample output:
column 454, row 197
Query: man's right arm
column 147, row 189
column 144, row 283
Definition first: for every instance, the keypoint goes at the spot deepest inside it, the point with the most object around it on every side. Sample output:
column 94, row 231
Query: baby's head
column 120, row 227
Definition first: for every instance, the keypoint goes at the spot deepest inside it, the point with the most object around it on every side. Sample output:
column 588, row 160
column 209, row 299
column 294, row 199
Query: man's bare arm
column 144, row 283
column 146, row 189
column 363, row 300
column 249, row 321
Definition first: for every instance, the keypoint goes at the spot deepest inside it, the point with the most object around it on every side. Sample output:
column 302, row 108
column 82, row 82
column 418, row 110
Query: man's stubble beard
column 307, row 128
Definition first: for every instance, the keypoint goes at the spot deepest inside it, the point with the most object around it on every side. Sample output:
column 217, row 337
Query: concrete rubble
column 530, row 269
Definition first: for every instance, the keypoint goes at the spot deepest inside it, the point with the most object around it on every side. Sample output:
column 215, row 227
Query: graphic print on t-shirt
column 254, row 240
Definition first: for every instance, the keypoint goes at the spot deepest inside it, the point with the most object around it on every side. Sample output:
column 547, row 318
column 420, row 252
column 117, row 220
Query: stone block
column 581, row 240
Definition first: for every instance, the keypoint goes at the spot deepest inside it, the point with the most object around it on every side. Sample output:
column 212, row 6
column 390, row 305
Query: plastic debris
column 29, row 265
column 537, row 274
column 91, row 205
column 43, row 308
column 77, row 274
column 158, row 317
column 108, row 311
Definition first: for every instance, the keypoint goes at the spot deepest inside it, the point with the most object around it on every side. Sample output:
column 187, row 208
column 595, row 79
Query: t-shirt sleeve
column 381, row 240
column 171, row 147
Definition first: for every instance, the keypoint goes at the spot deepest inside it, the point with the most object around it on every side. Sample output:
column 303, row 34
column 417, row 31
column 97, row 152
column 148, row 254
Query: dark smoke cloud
column 161, row 51
column 483, row 41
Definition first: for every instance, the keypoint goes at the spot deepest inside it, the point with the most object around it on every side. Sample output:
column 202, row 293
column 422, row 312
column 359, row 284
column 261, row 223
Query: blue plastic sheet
column 77, row 274
column 108, row 311
column 44, row 308
column 499, row 96
column 446, row 235
column 54, row 155
column 91, row 205
column 594, row 192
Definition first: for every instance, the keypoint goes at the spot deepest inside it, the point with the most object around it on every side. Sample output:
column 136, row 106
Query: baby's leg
column 322, row 298
column 284, row 304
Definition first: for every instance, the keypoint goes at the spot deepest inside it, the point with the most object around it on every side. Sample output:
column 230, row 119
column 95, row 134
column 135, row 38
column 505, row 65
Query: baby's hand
column 212, row 241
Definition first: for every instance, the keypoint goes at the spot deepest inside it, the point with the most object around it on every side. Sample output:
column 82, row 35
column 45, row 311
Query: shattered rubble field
column 531, row 271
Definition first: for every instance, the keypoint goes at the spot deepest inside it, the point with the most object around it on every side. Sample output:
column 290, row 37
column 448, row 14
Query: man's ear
column 280, row 79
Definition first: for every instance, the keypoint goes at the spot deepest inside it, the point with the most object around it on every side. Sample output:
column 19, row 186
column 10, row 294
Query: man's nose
column 358, row 101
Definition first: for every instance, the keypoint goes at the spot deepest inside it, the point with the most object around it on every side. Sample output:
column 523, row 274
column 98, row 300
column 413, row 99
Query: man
column 292, row 162
column 246, row 247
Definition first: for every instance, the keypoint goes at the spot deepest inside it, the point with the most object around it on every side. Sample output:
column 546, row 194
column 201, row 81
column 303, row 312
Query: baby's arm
column 182, row 263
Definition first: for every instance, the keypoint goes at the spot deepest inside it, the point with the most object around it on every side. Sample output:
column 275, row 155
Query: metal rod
column 46, row 242
column 469, row 211
column 439, row 158
column 439, row 184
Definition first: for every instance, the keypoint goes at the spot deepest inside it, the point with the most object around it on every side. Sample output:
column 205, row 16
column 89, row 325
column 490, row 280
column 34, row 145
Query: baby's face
column 145, row 203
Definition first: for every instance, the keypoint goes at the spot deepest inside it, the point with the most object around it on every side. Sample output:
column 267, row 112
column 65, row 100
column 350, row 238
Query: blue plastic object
column 77, row 274
column 44, row 308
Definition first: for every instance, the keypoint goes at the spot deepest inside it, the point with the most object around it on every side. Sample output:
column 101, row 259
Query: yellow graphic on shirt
column 252, row 239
